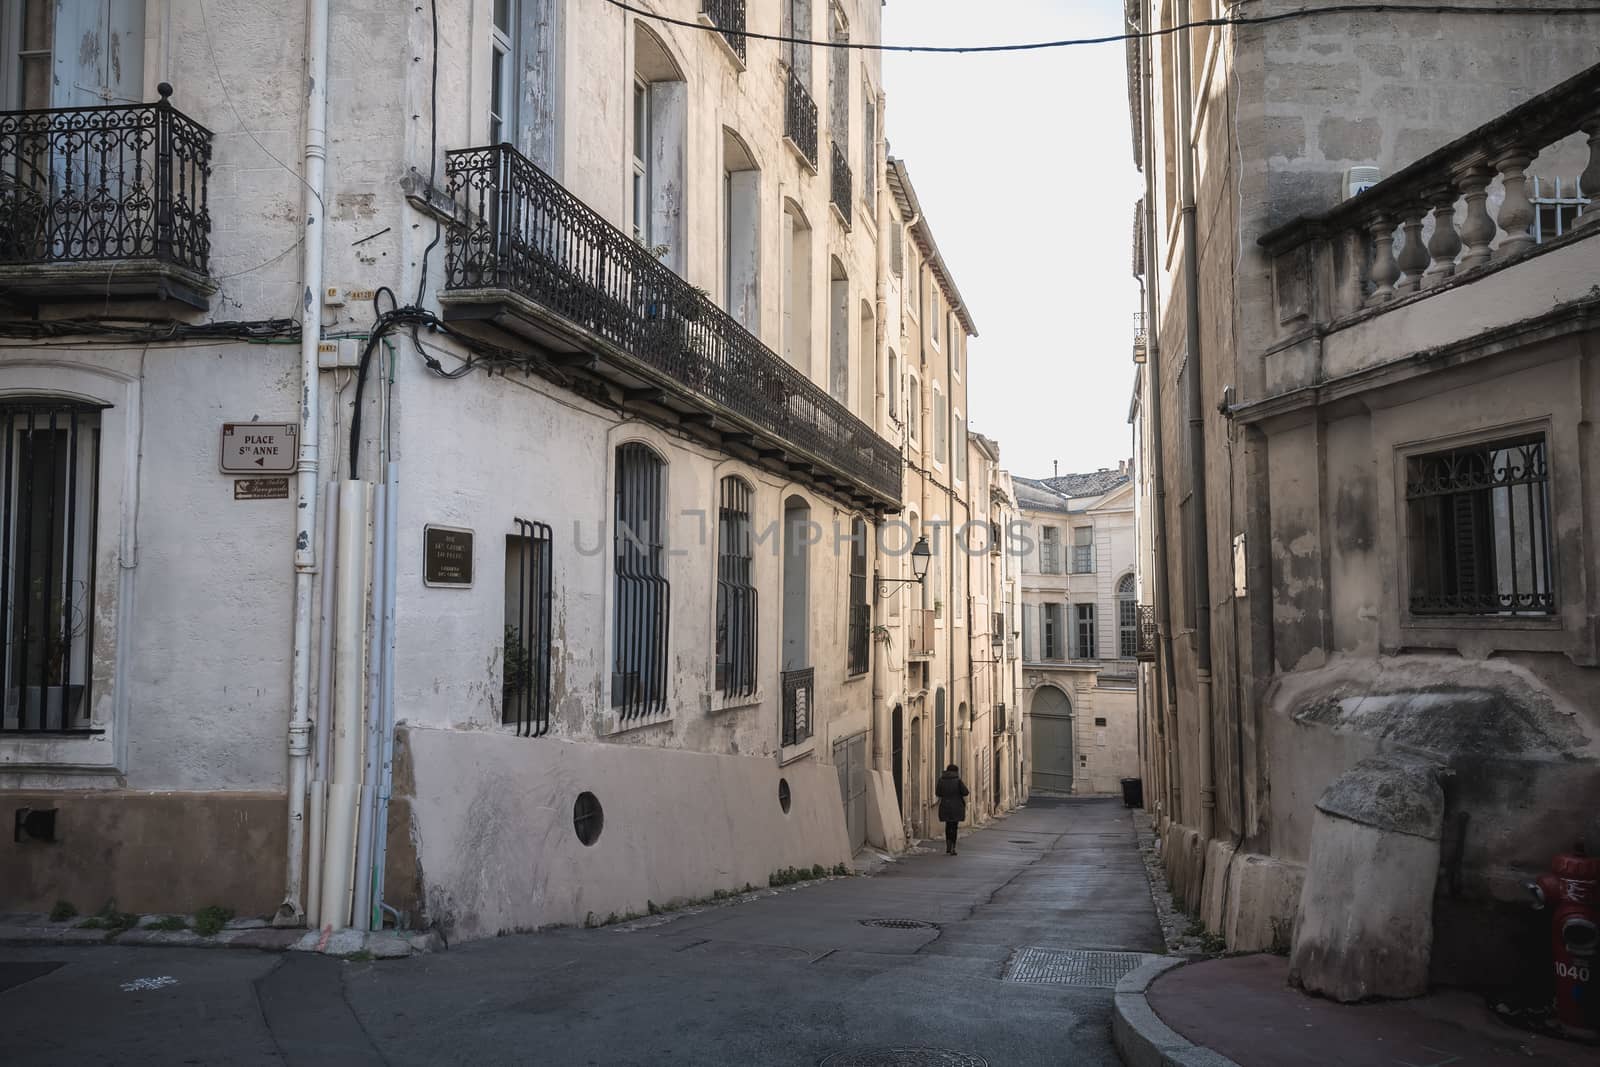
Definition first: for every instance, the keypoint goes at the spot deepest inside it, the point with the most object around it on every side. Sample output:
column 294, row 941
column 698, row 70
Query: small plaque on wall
column 446, row 557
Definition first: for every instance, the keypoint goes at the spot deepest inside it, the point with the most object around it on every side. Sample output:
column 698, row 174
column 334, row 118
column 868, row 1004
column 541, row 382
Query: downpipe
column 292, row 912
column 380, row 859
column 880, row 712
column 361, row 910
column 319, row 773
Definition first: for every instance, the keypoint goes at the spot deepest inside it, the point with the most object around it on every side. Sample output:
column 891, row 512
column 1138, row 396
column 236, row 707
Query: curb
column 248, row 934
column 1141, row 1038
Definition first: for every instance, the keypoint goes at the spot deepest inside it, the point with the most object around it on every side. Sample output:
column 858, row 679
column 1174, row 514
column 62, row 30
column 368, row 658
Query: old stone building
column 1076, row 548
column 502, row 431
column 1365, row 482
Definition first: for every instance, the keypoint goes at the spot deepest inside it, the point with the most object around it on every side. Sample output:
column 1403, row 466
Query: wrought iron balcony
column 799, row 690
column 527, row 257
column 1146, row 649
column 105, row 202
column 841, row 181
column 728, row 17
column 800, row 117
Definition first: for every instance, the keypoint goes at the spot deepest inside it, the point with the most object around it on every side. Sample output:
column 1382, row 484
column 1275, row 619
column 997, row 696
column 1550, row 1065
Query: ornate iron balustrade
column 728, row 15
column 526, row 234
column 103, row 184
column 1146, row 650
column 799, row 688
column 800, row 118
column 841, row 181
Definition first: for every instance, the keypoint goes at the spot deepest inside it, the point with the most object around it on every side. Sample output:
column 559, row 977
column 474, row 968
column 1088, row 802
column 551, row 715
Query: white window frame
column 503, row 49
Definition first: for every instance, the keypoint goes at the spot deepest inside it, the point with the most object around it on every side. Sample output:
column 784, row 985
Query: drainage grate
column 1048, row 966
column 904, row 1057
column 898, row 924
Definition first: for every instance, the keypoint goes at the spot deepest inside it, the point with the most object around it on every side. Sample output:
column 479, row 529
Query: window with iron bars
column 1558, row 203
column 860, row 606
column 736, row 591
column 643, row 596
column 525, row 700
column 51, row 479
column 1479, row 529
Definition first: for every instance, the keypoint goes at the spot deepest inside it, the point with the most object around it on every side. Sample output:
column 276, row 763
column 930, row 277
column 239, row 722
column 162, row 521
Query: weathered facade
column 1365, row 489
column 1076, row 548
column 582, row 505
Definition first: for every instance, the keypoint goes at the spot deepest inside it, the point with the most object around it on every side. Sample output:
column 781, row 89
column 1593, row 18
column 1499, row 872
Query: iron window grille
column 50, row 509
column 1480, row 530
column 736, row 592
column 1558, row 203
column 643, row 596
column 1146, row 614
column 728, row 16
column 522, row 232
column 800, row 117
column 798, row 688
column 1127, row 619
column 529, row 595
column 1086, row 636
column 99, row 184
column 840, row 183
column 860, row 607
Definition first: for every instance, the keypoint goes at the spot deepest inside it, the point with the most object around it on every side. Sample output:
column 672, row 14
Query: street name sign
column 260, row 447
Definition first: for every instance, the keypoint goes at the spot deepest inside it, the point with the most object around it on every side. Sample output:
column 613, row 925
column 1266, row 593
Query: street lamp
column 920, row 555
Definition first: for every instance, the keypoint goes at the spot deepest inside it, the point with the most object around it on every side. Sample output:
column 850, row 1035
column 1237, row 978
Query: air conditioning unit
column 1358, row 180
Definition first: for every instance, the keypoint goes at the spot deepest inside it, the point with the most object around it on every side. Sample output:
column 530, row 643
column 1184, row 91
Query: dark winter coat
column 952, row 794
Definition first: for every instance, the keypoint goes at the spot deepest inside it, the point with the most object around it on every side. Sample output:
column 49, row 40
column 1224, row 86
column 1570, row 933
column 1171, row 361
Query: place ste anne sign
column 260, row 447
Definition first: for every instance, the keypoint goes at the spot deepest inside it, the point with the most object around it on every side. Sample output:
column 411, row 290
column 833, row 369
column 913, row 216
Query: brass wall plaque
column 261, row 489
column 446, row 556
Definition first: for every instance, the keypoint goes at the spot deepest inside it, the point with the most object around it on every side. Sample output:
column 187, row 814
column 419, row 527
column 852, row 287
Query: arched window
column 796, row 287
column 839, row 333
column 741, row 232
column 1127, row 619
column 736, row 591
column 660, row 116
column 643, row 596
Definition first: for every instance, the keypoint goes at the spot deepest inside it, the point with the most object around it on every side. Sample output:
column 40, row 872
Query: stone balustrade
column 1434, row 222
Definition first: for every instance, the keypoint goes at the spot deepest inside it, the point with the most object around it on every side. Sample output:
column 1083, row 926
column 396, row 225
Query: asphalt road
column 789, row 978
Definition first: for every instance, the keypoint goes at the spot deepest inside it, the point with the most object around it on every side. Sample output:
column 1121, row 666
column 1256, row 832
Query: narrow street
column 790, row 978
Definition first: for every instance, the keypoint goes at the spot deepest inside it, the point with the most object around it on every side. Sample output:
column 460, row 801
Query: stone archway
column 1051, row 717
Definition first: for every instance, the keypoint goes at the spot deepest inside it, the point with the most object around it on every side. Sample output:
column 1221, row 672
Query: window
column 839, row 77
column 860, row 608
column 1027, row 632
column 867, row 361
column 839, row 335
column 525, row 695
column 796, row 24
column 522, row 42
column 933, row 317
column 88, row 53
column 736, row 591
column 959, row 432
column 914, row 414
column 642, row 136
column 1050, row 550
column 1052, row 632
column 798, row 676
column 1479, row 530
column 643, row 600
column 51, row 485
column 741, row 232
column 1557, row 203
column 892, row 387
column 1083, row 550
column 897, row 248
column 502, row 74
column 869, row 147
column 1086, row 643
column 796, row 287
column 941, row 427
column 1127, row 619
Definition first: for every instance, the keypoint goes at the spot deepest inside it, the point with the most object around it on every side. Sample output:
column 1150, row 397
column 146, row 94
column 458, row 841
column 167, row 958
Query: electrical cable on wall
column 1118, row 38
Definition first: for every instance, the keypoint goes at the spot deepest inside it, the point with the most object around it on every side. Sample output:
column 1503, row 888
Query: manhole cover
column 904, row 1057
column 898, row 924
column 1046, row 966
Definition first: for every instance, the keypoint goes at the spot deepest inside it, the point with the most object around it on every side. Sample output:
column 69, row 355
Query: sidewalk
column 1243, row 1009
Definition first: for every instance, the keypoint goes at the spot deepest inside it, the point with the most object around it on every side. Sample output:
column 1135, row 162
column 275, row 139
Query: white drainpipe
column 292, row 912
column 344, row 777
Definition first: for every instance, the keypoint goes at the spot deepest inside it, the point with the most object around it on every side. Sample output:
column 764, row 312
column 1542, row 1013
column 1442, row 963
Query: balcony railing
column 89, row 187
column 1141, row 337
column 1146, row 648
column 799, row 689
column 728, row 16
column 1371, row 250
column 841, row 181
column 800, row 118
column 523, row 242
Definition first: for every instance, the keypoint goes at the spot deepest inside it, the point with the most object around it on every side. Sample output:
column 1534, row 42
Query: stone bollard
column 1365, row 927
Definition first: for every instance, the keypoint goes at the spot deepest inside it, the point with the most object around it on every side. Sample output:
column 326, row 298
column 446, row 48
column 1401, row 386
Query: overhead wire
column 1118, row 38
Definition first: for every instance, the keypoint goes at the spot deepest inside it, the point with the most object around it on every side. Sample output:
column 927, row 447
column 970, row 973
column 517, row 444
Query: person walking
column 952, row 793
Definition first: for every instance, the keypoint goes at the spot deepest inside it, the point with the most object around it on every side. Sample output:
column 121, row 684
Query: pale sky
column 1024, row 166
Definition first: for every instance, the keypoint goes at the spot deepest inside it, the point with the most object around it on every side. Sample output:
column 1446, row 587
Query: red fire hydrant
column 1572, row 888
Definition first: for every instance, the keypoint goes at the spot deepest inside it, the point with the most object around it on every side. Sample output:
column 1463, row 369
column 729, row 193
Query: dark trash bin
column 1132, row 793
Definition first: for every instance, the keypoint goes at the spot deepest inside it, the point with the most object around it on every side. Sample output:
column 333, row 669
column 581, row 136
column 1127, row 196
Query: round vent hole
column 587, row 818
column 784, row 799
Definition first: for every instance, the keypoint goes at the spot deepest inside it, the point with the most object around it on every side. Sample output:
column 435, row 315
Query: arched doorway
column 1051, row 716
column 897, row 754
